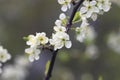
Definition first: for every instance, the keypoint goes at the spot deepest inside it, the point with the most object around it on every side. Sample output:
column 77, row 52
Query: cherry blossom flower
column 104, row 5
column 4, row 55
column 65, row 4
column 33, row 53
column 89, row 8
column 60, row 39
column 61, row 20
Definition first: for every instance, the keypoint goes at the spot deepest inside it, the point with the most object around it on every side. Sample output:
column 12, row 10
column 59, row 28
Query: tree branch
column 68, row 26
column 73, row 14
column 51, row 65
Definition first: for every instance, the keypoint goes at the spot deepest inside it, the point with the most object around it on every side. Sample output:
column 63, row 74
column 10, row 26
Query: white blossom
column 82, row 31
column 60, row 39
column 4, row 55
column 65, row 4
column 59, row 28
column 42, row 39
column 104, row 5
column 89, row 8
column 34, row 41
column 33, row 53
column 61, row 20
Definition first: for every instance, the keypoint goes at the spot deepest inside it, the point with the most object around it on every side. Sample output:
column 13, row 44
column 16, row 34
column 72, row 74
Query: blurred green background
column 19, row 18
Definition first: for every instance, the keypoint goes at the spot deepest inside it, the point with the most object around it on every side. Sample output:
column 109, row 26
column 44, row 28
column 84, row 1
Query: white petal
column 93, row 3
column 37, row 57
column 68, row 44
column 100, row 5
column 94, row 17
column 31, row 58
column 59, row 45
column 64, row 8
column 29, row 50
column 37, row 51
column 62, row 16
column 58, row 22
column 89, row 13
column 69, row 6
column 106, row 8
column 61, row 1
column 95, row 9
column 86, row 3
column 83, row 10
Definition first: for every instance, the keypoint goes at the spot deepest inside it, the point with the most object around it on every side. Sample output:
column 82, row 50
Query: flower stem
column 68, row 26
column 51, row 65
column 73, row 14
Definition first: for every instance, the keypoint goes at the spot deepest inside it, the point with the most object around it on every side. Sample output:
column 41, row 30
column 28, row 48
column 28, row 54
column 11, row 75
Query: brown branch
column 68, row 26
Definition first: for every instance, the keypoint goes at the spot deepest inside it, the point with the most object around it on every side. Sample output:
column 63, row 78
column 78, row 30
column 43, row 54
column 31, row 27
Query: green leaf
column 25, row 38
column 76, row 17
column 47, row 67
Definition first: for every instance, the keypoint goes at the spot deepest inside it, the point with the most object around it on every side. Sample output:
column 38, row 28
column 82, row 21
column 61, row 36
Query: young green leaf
column 47, row 67
column 76, row 17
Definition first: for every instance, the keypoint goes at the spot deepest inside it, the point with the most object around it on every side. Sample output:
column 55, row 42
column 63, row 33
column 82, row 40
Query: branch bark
column 68, row 26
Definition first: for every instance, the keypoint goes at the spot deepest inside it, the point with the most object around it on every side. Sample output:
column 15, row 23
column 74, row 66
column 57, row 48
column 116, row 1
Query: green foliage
column 25, row 38
column 47, row 67
column 77, row 18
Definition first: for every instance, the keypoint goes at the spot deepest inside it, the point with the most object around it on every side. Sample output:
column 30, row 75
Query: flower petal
column 68, row 44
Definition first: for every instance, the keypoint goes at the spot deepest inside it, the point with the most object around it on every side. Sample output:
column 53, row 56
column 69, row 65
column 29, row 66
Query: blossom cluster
column 4, row 56
column 35, row 42
column 60, row 37
column 114, row 41
column 90, row 10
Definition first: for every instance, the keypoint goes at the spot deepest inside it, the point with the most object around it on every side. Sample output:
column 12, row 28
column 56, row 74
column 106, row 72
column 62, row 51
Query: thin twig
column 68, row 26
column 51, row 65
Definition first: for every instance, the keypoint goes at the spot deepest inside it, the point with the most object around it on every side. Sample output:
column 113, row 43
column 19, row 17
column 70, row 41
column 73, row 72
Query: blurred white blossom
column 92, row 52
column 104, row 5
column 82, row 31
column 16, row 71
column 114, row 41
